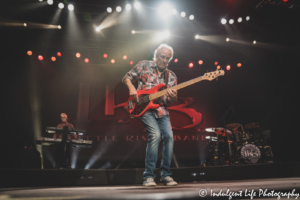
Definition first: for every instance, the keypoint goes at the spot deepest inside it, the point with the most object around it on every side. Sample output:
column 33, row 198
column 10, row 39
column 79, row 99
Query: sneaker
column 168, row 181
column 149, row 182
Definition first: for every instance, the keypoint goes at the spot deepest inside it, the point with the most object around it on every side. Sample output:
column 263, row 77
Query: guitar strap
column 166, row 77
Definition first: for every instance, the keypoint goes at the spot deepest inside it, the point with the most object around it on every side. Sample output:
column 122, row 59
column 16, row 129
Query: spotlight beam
column 109, row 21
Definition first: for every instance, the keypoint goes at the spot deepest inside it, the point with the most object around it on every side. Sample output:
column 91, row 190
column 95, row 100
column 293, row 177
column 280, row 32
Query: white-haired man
column 156, row 121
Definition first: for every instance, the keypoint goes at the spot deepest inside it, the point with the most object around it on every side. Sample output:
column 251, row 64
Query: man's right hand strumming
column 133, row 94
column 132, row 90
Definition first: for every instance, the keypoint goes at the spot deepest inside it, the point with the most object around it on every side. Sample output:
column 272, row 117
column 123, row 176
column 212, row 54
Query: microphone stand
column 223, row 118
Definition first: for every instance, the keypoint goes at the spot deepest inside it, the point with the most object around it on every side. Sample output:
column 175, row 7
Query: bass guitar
column 147, row 97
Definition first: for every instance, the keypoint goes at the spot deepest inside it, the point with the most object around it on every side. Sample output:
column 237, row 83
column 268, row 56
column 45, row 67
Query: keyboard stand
column 63, row 149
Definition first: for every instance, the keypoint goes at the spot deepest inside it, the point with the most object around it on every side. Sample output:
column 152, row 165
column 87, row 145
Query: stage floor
column 240, row 189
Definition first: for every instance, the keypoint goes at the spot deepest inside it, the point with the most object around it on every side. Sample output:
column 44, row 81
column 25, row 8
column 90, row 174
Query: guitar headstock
column 212, row 75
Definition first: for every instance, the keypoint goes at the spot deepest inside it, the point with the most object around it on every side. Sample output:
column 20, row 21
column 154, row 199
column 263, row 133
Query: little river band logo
column 251, row 194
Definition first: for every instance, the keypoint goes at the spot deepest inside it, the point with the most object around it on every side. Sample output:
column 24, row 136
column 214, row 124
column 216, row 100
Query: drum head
column 250, row 153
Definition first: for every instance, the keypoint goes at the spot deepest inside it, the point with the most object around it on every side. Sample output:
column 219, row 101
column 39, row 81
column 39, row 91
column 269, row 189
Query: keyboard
column 73, row 142
column 60, row 130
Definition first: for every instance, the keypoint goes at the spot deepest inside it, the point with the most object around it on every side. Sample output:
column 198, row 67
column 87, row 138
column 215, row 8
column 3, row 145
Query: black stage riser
column 90, row 177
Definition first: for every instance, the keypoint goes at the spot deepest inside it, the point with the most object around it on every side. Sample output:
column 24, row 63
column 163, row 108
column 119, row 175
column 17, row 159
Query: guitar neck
column 176, row 87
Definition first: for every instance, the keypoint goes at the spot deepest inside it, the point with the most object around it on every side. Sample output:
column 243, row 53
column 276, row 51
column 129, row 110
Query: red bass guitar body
column 137, row 109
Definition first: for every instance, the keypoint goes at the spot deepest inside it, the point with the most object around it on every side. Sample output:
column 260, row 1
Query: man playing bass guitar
column 156, row 121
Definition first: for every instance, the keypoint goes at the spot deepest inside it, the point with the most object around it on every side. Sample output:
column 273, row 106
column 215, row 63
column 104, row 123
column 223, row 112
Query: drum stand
column 235, row 141
column 216, row 151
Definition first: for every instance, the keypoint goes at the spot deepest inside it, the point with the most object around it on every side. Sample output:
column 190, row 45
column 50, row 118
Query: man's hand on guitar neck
column 172, row 96
column 132, row 90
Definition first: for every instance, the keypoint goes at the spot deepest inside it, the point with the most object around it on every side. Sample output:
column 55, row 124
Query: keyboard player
column 64, row 122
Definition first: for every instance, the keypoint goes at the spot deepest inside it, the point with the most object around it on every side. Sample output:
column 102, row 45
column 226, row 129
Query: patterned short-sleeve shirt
column 145, row 72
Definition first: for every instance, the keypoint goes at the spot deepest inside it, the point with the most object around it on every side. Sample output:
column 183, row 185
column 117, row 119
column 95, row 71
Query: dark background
column 35, row 92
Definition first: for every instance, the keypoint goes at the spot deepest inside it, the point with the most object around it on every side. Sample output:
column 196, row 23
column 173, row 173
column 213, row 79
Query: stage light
column 192, row 17
column 78, row 55
column 109, row 9
column 40, row 0
column 98, row 28
column 58, row 54
column 29, row 53
column 218, row 67
column 197, row 37
column 223, row 21
column 240, row 20
column 227, row 39
column 118, row 9
column 105, row 55
column 133, row 31
column 285, row 1
column 228, row 67
column 70, row 7
column 40, row 57
column 216, row 63
column 137, row 5
column 113, row 61
column 86, row 60
column 128, row 7
column 176, row 60
column 247, row 18
column 50, row 2
column 191, row 65
column 239, row 64
column 231, row 21
column 182, row 14
column 124, row 57
column 254, row 41
column 53, row 58
column 165, row 10
column 174, row 11
column 61, row 5
column 200, row 62
column 131, row 63
column 25, row 24
column 59, row 26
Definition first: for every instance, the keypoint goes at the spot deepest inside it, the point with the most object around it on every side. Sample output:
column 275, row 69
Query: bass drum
column 249, row 153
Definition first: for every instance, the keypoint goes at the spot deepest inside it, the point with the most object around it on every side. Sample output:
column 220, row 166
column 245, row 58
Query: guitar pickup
column 130, row 105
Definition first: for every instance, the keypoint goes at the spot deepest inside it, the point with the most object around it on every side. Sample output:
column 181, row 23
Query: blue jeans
column 157, row 129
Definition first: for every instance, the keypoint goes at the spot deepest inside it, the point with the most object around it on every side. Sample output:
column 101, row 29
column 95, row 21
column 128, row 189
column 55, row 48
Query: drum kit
column 238, row 144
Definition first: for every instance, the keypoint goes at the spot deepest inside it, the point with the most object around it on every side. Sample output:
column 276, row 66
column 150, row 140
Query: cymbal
column 252, row 125
column 219, row 130
column 233, row 126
